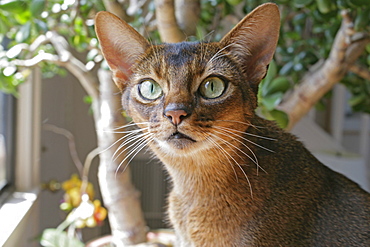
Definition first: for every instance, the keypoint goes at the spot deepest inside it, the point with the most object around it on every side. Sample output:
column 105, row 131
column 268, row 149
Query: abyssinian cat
column 238, row 180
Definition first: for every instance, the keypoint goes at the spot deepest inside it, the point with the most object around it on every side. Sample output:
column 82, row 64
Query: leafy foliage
column 58, row 238
column 23, row 21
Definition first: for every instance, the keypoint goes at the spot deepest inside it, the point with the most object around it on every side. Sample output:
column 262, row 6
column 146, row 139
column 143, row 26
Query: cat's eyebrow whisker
column 132, row 154
column 156, row 57
column 207, row 35
column 216, row 55
column 240, row 167
column 246, row 139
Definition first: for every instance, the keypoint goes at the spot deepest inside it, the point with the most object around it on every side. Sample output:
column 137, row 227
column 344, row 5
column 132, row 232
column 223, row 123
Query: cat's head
column 187, row 96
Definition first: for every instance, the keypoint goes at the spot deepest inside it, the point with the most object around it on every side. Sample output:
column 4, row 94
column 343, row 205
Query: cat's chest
column 213, row 216
column 208, row 222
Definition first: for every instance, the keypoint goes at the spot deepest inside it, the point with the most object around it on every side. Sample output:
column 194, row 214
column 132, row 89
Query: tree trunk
column 166, row 21
column 119, row 195
column 187, row 15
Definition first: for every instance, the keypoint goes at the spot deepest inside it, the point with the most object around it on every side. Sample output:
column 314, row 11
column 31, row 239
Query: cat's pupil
column 212, row 88
column 150, row 90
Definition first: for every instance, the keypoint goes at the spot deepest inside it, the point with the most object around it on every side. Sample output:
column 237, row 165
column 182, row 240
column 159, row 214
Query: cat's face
column 189, row 97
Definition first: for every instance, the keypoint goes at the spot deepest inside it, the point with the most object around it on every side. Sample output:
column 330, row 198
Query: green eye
column 212, row 88
column 150, row 90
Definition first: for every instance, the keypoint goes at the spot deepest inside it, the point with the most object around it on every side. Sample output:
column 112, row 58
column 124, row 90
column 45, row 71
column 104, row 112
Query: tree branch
column 71, row 144
column 63, row 58
column 73, row 65
column 41, row 57
column 360, row 71
column 346, row 49
column 116, row 8
column 166, row 22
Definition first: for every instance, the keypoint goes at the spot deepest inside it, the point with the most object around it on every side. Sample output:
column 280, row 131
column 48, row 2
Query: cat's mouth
column 180, row 136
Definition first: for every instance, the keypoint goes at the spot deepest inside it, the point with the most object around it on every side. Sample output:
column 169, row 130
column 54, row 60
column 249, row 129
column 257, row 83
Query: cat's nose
column 176, row 116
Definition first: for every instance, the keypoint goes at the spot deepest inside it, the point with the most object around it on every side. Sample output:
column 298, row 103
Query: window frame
column 7, row 129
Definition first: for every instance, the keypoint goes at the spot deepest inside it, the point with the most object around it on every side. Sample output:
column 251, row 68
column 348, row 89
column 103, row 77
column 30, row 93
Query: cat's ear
column 253, row 41
column 121, row 45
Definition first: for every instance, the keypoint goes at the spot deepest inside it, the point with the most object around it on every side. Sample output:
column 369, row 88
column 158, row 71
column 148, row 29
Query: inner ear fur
column 253, row 41
column 121, row 45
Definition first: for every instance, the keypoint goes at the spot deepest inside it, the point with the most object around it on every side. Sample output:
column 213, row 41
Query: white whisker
column 246, row 139
column 133, row 140
column 132, row 154
column 240, row 122
column 226, row 154
column 255, row 160
column 130, row 133
column 250, row 134
column 240, row 167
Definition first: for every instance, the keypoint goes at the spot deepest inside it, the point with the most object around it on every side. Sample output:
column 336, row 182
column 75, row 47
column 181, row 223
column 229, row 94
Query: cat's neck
column 209, row 170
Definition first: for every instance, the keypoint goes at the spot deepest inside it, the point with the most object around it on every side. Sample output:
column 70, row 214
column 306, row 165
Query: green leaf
column 37, row 7
column 301, row 3
column 280, row 117
column 324, row 6
column 362, row 19
column 234, row 2
column 13, row 6
column 368, row 48
column 279, row 84
column 271, row 72
column 357, row 99
column 271, row 101
column 41, row 26
column 56, row 238
column 358, row 3
column 23, row 17
column 23, row 33
column 287, row 68
column 88, row 99
column 342, row 4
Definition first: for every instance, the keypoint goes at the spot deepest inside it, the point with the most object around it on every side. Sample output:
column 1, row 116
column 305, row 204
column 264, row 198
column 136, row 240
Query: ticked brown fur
column 238, row 180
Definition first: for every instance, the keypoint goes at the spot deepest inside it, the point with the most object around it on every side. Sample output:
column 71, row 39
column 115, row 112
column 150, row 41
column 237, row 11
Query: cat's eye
column 212, row 88
column 150, row 90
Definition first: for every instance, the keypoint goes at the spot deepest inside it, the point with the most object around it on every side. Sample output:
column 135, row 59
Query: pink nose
column 176, row 116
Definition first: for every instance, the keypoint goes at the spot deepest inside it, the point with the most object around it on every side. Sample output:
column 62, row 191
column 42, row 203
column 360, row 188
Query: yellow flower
column 73, row 182
column 100, row 212
column 83, row 211
column 72, row 197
